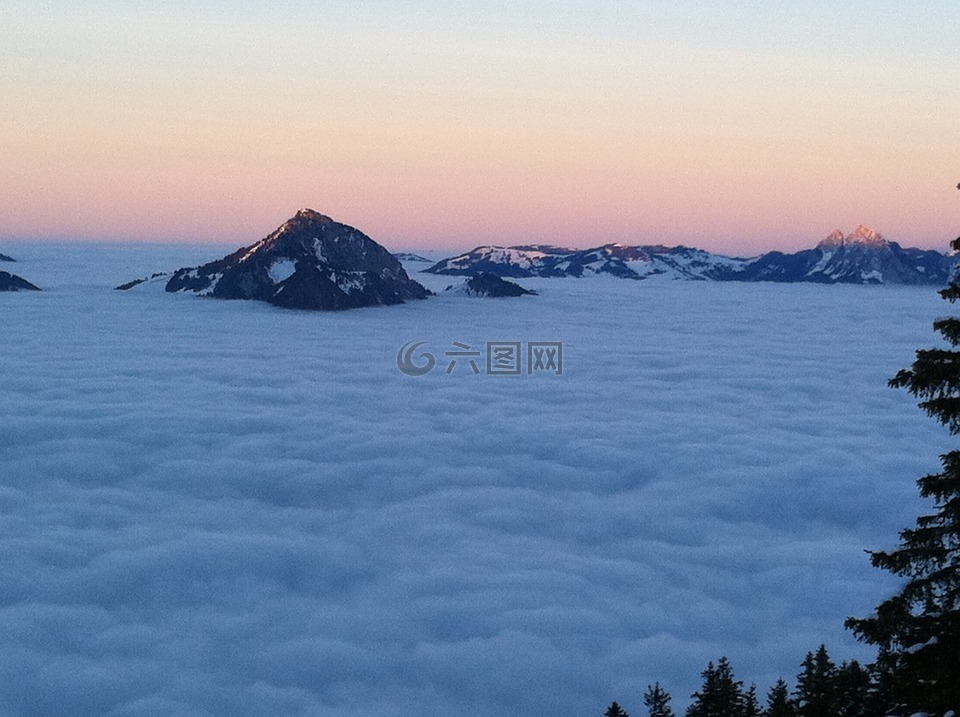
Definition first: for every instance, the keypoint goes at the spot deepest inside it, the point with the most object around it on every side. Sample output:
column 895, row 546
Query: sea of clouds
column 225, row 508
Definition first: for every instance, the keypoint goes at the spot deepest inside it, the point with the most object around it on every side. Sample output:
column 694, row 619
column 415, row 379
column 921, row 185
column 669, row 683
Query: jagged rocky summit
column 861, row 257
column 490, row 286
column 310, row 262
column 12, row 282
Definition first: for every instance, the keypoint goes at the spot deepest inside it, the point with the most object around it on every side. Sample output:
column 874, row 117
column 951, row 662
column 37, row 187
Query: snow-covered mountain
column 310, row 262
column 628, row 262
column 862, row 257
column 12, row 282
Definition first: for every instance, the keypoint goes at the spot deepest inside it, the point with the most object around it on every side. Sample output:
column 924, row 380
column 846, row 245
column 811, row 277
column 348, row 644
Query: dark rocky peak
column 12, row 282
column 312, row 236
column 309, row 215
column 309, row 262
column 490, row 285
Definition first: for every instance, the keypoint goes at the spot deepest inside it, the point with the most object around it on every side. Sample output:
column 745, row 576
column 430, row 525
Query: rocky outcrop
column 12, row 282
column 490, row 285
column 310, row 262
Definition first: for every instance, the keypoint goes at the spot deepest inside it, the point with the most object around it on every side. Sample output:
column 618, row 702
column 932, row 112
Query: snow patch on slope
column 282, row 269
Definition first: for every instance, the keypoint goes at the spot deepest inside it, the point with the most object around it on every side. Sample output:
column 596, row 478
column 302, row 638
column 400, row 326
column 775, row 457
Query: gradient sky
column 733, row 126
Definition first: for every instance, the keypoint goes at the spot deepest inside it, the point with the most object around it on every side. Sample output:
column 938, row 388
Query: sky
column 732, row 126
column 224, row 508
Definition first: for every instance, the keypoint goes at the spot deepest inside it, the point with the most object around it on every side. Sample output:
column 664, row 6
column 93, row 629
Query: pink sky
column 217, row 127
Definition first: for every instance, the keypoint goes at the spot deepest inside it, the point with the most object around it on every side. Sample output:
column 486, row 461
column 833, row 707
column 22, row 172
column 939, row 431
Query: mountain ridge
column 863, row 256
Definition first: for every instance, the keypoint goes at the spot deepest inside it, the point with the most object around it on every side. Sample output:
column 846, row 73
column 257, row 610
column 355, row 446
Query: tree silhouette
column 657, row 701
column 750, row 704
column 918, row 629
column 779, row 703
column 818, row 690
column 720, row 695
column 615, row 710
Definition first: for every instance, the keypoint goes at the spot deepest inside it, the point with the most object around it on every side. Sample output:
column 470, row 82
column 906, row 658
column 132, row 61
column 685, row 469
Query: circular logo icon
column 405, row 359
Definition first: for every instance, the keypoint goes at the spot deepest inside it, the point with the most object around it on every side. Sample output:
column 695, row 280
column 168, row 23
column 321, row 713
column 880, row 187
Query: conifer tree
column 779, row 703
column 854, row 690
column 817, row 686
column 720, row 695
column 918, row 629
column 657, row 701
column 880, row 697
column 751, row 705
column 615, row 710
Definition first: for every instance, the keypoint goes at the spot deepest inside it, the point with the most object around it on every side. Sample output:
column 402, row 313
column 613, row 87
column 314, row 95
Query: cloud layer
column 215, row 508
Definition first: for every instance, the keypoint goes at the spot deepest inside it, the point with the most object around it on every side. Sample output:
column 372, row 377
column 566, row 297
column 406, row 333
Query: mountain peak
column 311, row 262
column 834, row 239
column 865, row 235
column 862, row 235
column 312, row 216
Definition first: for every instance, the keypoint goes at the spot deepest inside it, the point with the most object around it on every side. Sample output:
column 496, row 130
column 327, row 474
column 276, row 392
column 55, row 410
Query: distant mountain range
column 310, row 262
column 861, row 257
column 314, row 262
column 4, row 257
